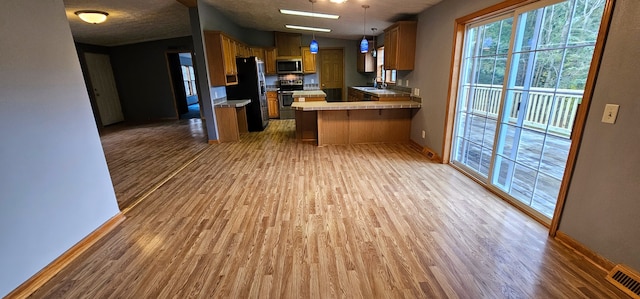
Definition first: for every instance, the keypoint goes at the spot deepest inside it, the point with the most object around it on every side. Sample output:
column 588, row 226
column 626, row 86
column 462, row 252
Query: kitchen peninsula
column 355, row 122
column 232, row 119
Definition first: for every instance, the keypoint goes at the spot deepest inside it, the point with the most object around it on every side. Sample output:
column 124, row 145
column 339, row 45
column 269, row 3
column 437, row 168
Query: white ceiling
column 132, row 21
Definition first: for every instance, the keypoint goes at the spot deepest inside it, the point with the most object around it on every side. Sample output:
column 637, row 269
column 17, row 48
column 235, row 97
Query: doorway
column 522, row 80
column 332, row 73
column 104, row 88
column 183, row 82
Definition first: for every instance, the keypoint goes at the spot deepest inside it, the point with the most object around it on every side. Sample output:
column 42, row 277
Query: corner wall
column 601, row 210
column 55, row 184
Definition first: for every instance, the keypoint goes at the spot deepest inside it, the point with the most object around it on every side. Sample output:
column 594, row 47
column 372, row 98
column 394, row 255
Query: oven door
column 286, row 99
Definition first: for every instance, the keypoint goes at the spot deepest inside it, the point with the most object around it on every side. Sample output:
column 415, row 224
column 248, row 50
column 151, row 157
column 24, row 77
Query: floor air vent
column 626, row 280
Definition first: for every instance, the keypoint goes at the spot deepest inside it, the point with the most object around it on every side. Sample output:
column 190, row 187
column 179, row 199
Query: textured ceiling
column 129, row 21
column 265, row 15
column 132, row 21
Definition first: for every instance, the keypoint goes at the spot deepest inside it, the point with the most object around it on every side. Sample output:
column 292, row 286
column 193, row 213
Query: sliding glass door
column 484, row 66
column 517, row 103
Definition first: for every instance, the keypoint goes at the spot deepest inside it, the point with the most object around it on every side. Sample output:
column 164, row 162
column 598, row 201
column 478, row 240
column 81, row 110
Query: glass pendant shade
column 313, row 46
column 364, row 45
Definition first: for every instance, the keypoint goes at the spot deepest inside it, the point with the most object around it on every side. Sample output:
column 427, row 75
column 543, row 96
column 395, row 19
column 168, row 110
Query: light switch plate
column 610, row 113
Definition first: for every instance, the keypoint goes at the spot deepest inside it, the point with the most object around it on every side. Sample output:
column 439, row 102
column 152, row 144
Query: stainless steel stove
column 287, row 85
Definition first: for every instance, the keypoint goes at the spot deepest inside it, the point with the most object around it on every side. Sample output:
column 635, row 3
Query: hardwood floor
column 141, row 156
column 270, row 217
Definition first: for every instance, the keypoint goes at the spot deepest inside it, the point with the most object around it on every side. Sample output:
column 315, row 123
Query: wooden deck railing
column 541, row 109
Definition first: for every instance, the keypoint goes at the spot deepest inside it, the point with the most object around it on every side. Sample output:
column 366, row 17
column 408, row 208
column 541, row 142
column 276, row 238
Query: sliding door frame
column 583, row 109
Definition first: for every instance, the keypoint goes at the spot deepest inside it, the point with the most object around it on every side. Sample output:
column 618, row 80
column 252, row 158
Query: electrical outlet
column 399, row 82
column 313, row 81
column 406, row 83
column 215, row 94
column 610, row 113
column 424, row 134
column 416, row 92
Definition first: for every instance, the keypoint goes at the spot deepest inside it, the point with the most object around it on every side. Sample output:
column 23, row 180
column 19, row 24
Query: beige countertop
column 321, row 105
column 309, row 93
column 233, row 103
column 381, row 92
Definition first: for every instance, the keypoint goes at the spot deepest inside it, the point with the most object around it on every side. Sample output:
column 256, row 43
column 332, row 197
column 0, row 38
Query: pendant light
column 313, row 46
column 364, row 44
column 374, row 52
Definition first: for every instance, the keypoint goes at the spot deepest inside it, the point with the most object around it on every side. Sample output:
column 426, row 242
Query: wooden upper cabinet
column 270, row 55
column 245, row 51
column 400, row 46
column 257, row 52
column 288, row 44
column 221, row 58
column 308, row 60
column 366, row 61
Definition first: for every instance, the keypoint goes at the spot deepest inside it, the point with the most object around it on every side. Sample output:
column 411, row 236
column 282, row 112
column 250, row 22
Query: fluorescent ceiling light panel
column 307, row 28
column 308, row 14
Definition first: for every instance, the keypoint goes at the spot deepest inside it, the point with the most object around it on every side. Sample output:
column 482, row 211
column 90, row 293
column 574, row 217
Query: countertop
column 381, row 92
column 233, row 103
column 321, row 105
column 309, row 93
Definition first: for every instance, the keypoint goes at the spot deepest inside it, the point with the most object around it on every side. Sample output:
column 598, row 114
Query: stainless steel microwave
column 289, row 66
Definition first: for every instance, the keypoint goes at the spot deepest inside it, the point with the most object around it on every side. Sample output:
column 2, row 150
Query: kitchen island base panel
column 364, row 126
column 333, row 127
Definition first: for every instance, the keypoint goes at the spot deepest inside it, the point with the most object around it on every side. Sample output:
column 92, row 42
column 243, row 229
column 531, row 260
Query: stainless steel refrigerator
column 251, row 86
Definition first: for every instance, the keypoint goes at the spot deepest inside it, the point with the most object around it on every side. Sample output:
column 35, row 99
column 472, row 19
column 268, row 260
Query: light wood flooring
column 141, row 156
column 272, row 218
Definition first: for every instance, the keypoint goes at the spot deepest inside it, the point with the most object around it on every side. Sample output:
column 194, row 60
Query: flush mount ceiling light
column 307, row 28
column 92, row 16
column 338, row 1
column 308, row 14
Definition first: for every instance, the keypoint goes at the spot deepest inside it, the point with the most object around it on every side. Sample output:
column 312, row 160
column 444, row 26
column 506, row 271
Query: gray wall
column 602, row 203
column 602, row 206
column 54, row 182
column 206, row 107
column 143, row 78
column 432, row 66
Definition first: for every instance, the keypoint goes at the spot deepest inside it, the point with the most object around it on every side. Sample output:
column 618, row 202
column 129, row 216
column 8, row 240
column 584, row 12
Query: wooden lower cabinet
column 232, row 121
column 273, row 105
